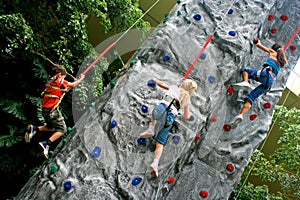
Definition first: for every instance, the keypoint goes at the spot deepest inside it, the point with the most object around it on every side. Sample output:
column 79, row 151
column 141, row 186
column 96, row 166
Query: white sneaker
column 243, row 84
column 154, row 170
column 29, row 133
column 45, row 147
column 147, row 134
column 238, row 119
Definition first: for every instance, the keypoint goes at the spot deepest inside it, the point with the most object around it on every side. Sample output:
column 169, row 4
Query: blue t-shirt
column 274, row 64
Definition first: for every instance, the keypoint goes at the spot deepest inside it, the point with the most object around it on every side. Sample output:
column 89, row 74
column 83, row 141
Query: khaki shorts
column 54, row 120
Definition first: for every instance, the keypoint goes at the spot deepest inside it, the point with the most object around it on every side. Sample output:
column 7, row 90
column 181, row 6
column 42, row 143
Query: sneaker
column 45, row 147
column 29, row 133
column 238, row 119
column 147, row 134
column 243, row 84
column 154, row 170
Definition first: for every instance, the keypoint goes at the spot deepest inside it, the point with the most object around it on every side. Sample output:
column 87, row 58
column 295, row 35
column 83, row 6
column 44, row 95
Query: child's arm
column 161, row 84
column 264, row 48
column 186, row 114
column 75, row 83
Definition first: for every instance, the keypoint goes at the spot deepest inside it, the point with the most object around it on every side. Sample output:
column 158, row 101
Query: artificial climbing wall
column 103, row 158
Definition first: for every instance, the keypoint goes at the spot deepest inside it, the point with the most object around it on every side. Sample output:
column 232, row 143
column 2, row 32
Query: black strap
column 167, row 109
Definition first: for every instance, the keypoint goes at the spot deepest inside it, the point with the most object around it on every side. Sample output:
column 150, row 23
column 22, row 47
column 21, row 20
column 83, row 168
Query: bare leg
column 55, row 136
column 44, row 128
column 246, row 107
column 157, row 154
column 245, row 76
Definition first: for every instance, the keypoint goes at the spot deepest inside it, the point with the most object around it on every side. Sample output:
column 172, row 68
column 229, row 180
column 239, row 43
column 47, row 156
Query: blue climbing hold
column 113, row 124
column 197, row 17
column 211, row 79
column 96, row 152
column 151, row 83
column 141, row 141
column 230, row 11
column 144, row 109
column 203, row 56
column 68, row 185
column 176, row 139
column 232, row 33
column 166, row 58
column 136, row 181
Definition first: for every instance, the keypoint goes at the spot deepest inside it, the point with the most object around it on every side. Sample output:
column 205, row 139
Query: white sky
column 293, row 82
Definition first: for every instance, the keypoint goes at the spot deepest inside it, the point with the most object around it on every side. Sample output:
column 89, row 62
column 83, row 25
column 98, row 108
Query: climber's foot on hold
column 242, row 85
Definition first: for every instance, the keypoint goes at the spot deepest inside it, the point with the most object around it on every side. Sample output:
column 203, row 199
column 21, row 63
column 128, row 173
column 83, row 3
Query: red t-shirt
column 52, row 89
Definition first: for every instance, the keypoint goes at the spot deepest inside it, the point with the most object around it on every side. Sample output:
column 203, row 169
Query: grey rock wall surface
column 199, row 167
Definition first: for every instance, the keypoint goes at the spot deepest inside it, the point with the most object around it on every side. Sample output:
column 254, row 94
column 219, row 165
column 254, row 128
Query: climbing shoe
column 29, row 133
column 45, row 147
column 154, row 170
column 147, row 134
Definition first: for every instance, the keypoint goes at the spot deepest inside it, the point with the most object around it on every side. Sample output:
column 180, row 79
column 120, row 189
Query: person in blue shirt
column 266, row 76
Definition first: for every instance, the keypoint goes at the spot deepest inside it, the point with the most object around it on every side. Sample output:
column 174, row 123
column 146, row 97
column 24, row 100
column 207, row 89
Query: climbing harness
column 270, row 71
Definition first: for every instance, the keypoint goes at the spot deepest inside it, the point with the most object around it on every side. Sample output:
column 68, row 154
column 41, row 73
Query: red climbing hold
column 293, row 47
column 230, row 167
column 284, row 17
column 203, row 194
column 271, row 17
column 267, row 105
column 171, row 180
column 213, row 118
column 197, row 138
column 273, row 30
column 230, row 90
column 255, row 41
column 227, row 127
column 253, row 117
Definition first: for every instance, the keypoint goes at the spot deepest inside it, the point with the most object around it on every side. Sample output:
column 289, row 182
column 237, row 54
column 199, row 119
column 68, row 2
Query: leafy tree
column 282, row 167
column 32, row 33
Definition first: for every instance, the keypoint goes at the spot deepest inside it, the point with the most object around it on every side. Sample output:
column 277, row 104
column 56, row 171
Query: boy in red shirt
column 50, row 109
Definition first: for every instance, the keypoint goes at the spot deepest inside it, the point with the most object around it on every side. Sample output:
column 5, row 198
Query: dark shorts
column 266, row 79
column 163, row 134
column 54, row 120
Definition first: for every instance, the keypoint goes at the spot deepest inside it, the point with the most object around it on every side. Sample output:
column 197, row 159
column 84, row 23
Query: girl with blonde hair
column 166, row 112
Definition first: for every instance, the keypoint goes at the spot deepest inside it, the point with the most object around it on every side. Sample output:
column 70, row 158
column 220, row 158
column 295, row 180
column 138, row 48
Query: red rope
column 292, row 38
column 197, row 57
column 99, row 57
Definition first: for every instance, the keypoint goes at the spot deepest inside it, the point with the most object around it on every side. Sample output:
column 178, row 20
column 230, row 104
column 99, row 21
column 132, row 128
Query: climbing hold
column 211, row 79
column 171, row 180
column 144, row 109
column 53, row 169
column 255, row 41
column 178, row 1
column 203, row 56
column 253, row 117
column 273, row 30
column 166, row 58
column 284, row 17
column 197, row 17
column 230, row 167
column 65, row 140
column 151, row 83
column 113, row 124
column 132, row 62
column 93, row 104
column 203, row 194
column 267, row 105
column 90, row 109
column 178, row 12
column 176, row 139
column 293, row 47
column 112, row 83
column 141, row 141
column 213, row 118
column 96, row 152
column 69, row 129
column 227, row 127
column 68, row 185
column 232, row 33
column 230, row 90
column 197, row 137
column 135, row 181
column 230, row 11
column 270, row 17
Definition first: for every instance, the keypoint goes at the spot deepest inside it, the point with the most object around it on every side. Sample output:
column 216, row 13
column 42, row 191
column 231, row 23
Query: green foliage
column 283, row 166
column 9, row 140
column 13, row 107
